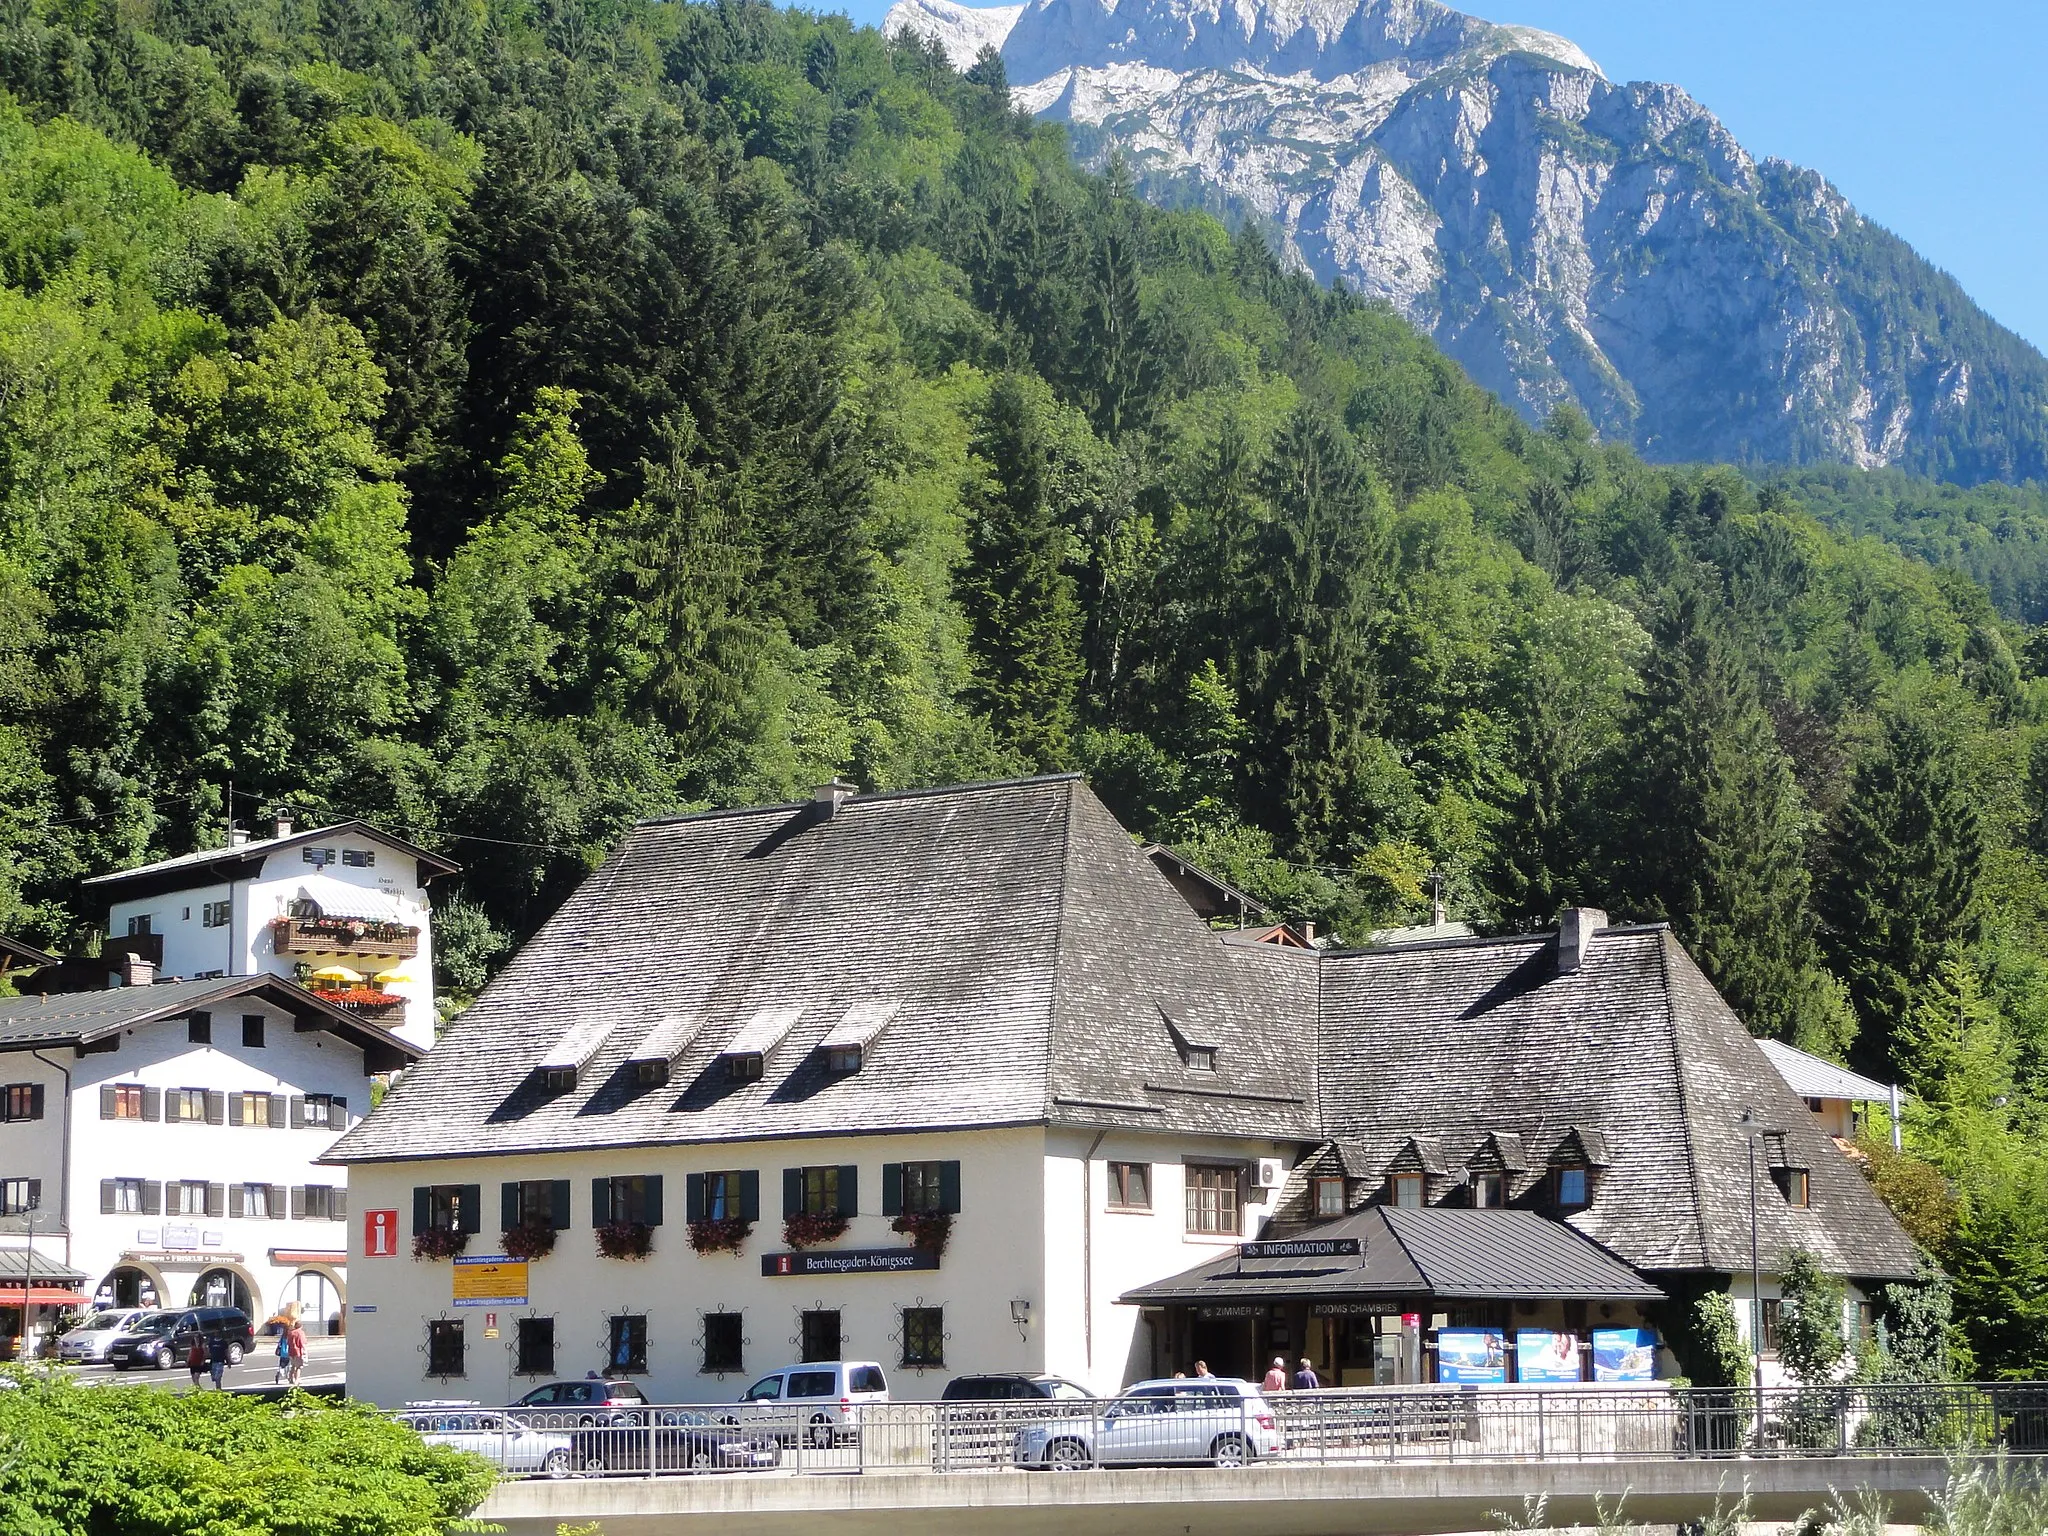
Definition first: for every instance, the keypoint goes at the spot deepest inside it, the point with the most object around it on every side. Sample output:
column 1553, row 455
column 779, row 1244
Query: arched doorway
column 222, row 1288
column 127, row 1286
column 318, row 1299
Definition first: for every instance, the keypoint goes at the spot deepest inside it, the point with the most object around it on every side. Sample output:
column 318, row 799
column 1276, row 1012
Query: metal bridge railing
column 1226, row 1424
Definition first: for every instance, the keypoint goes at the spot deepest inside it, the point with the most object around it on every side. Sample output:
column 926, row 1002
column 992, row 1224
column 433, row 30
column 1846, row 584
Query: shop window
column 1130, row 1186
column 924, row 1336
column 1404, row 1190
column 628, row 1350
column 536, row 1347
column 724, row 1347
column 1329, row 1197
column 444, row 1346
column 1215, row 1199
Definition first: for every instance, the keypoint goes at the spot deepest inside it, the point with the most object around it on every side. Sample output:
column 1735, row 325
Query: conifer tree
column 1709, row 834
column 1019, row 594
column 1901, row 886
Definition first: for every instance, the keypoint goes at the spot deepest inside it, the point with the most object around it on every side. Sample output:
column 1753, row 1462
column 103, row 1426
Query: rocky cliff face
column 1566, row 238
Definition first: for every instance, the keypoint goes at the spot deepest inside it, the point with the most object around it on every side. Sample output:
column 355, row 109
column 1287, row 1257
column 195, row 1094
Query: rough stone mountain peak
column 1568, row 238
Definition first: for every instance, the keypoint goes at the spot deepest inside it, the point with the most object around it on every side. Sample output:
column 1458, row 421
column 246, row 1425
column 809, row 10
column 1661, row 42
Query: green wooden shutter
column 949, row 1187
column 600, row 1202
column 422, row 1208
column 693, row 1197
column 35, row 1102
column 107, row 1097
column 472, row 1212
column 508, row 1205
column 892, row 1189
column 792, row 1191
column 653, row 1216
column 558, row 1203
column 849, row 1189
column 750, row 1194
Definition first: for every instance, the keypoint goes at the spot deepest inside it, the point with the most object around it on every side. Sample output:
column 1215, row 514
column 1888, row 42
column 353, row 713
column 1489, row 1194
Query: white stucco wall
column 1768, row 1289
column 162, row 1056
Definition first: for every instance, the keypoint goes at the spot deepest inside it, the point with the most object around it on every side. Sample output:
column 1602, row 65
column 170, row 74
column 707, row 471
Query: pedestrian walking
column 284, row 1349
column 295, row 1340
column 217, row 1358
column 1276, row 1378
column 1305, row 1379
column 195, row 1360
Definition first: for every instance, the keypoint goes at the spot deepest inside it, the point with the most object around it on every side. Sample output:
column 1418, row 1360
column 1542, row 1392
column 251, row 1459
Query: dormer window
column 745, row 1066
column 556, row 1079
column 1404, row 1190
column 1200, row 1058
column 843, row 1060
column 1572, row 1191
column 1793, row 1185
column 651, row 1074
column 1196, row 1055
column 1328, row 1197
column 1489, row 1191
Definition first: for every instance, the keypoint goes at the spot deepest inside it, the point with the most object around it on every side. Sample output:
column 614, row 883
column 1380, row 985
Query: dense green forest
column 507, row 419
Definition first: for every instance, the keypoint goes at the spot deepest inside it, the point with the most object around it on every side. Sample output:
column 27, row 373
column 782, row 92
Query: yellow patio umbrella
column 337, row 973
column 391, row 978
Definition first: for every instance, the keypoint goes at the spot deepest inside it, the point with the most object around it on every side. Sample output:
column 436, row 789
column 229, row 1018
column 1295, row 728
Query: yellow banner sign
column 491, row 1281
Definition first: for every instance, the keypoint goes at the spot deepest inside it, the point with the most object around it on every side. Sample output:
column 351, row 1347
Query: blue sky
column 1930, row 117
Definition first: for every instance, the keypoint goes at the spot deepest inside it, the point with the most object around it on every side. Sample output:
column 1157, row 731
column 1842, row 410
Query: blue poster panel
column 1624, row 1354
column 1541, row 1355
column 1471, row 1355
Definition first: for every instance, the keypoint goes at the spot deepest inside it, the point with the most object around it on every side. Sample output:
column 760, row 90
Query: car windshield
column 156, row 1322
column 101, row 1323
column 765, row 1391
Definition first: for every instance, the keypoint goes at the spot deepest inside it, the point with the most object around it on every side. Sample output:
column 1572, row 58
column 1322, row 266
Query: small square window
column 821, row 1191
column 256, row 1200
column 651, row 1074
column 127, row 1197
column 358, row 858
column 843, row 1059
column 924, row 1337
column 722, row 1196
column 1215, row 1199
column 1489, row 1191
column 20, row 1196
column 628, row 1344
column 1572, row 1188
column 1405, row 1191
column 1793, row 1185
column 1329, row 1198
column 128, row 1101
column 444, row 1346
column 724, row 1346
column 215, row 914
column 23, row 1102
column 536, row 1347
column 555, row 1079
column 921, row 1187
column 252, row 1031
column 1130, row 1186
column 138, row 926
column 744, row 1068
column 199, row 1028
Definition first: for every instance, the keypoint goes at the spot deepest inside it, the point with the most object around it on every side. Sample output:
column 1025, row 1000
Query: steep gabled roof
column 244, row 860
column 1635, row 1051
column 1021, row 946
column 86, row 1018
column 1814, row 1077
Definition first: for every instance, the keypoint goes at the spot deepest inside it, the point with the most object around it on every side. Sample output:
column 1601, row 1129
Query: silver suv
column 1217, row 1419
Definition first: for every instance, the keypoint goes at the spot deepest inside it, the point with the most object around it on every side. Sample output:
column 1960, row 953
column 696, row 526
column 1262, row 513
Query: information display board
column 1477, row 1355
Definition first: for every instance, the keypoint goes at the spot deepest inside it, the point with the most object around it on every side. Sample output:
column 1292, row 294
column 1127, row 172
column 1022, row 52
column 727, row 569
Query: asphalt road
column 324, row 1363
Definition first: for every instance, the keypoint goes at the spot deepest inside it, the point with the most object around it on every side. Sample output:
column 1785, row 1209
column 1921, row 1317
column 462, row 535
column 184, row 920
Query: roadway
column 325, row 1362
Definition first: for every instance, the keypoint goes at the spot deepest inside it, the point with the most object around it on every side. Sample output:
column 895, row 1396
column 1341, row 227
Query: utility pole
column 1752, row 1133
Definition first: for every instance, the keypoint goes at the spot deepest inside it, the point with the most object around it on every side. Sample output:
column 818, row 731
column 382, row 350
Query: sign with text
column 1301, row 1248
column 380, row 1234
column 855, row 1261
column 1228, row 1310
column 1624, row 1354
column 1542, row 1354
column 1347, row 1308
column 1477, row 1355
column 490, row 1280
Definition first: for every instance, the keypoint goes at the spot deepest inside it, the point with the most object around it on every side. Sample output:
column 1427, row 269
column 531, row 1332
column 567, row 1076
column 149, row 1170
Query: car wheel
column 1067, row 1456
column 821, row 1433
column 1229, row 1451
column 701, row 1460
column 555, row 1464
column 234, row 1354
column 163, row 1358
column 593, row 1464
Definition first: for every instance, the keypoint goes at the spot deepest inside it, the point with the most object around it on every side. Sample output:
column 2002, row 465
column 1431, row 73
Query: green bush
column 136, row 1461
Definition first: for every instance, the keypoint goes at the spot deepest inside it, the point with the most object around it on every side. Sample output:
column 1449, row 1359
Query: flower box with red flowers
column 530, row 1240
column 927, row 1230
column 438, row 1243
column 625, row 1240
column 807, row 1229
column 719, row 1234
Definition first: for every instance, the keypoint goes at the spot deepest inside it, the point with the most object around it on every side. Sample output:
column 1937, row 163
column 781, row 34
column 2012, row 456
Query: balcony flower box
column 439, row 1243
column 726, row 1234
column 808, row 1230
column 530, row 1240
column 625, row 1240
column 928, row 1231
column 344, row 935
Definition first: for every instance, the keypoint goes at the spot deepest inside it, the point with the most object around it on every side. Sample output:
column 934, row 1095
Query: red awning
column 43, row 1296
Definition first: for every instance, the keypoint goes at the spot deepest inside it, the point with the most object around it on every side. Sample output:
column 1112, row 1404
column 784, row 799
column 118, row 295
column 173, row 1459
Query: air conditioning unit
column 1270, row 1173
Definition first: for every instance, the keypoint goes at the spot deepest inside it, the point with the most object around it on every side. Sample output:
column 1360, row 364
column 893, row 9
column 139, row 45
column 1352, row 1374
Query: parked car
column 822, row 1400
column 984, row 1389
column 1216, row 1419
column 90, row 1339
column 579, row 1404
column 492, row 1433
column 680, row 1440
column 162, row 1339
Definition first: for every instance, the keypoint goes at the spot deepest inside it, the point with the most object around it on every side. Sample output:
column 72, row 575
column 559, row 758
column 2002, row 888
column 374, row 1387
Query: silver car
column 510, row 1446
column 1215, row 1419
column 89, row 1340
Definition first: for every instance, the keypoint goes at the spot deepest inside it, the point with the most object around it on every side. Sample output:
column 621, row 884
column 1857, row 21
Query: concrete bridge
column 1278, row 1499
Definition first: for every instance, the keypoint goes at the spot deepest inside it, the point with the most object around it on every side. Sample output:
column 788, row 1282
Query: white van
column 89, row 1340
column 823, row 1399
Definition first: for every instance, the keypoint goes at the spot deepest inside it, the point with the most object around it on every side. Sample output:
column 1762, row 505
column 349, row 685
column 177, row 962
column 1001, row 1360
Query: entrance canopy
column 1385, row 1251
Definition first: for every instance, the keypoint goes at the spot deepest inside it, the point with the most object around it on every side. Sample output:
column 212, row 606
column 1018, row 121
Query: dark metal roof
column 82, row 1018
column 1452, row 1254
column 244, row 860
column 14, row 1262
column 14, row 954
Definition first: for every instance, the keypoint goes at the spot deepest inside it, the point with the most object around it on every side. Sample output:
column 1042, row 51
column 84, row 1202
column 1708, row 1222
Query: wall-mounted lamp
column 1020, row 1314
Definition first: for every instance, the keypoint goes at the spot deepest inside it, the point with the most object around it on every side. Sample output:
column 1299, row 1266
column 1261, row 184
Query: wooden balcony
column 345, row 936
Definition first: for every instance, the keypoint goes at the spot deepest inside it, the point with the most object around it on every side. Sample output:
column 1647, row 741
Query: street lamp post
column 1752, row 1133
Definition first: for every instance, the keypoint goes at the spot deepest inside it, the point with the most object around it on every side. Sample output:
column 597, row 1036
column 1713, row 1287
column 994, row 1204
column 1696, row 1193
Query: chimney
column 1575, row 926
column 136, row 971
column 281, row 822
column 829, row 797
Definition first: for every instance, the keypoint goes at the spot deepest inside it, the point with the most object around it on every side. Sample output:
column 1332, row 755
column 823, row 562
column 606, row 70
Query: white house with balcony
column 160, row 1146
column 340, row 909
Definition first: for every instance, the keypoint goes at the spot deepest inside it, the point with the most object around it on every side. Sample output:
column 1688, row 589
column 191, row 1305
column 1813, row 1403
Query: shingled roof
column 1468, row 1039
column 1035, row 964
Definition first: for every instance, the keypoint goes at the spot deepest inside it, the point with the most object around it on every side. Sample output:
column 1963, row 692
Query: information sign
column 1624, row 1354
column 851, row 1261
column 1542, row 1355
column 380, row 1234
column 490, row 1280
column 1301, row 1248
column 1477, row 1355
